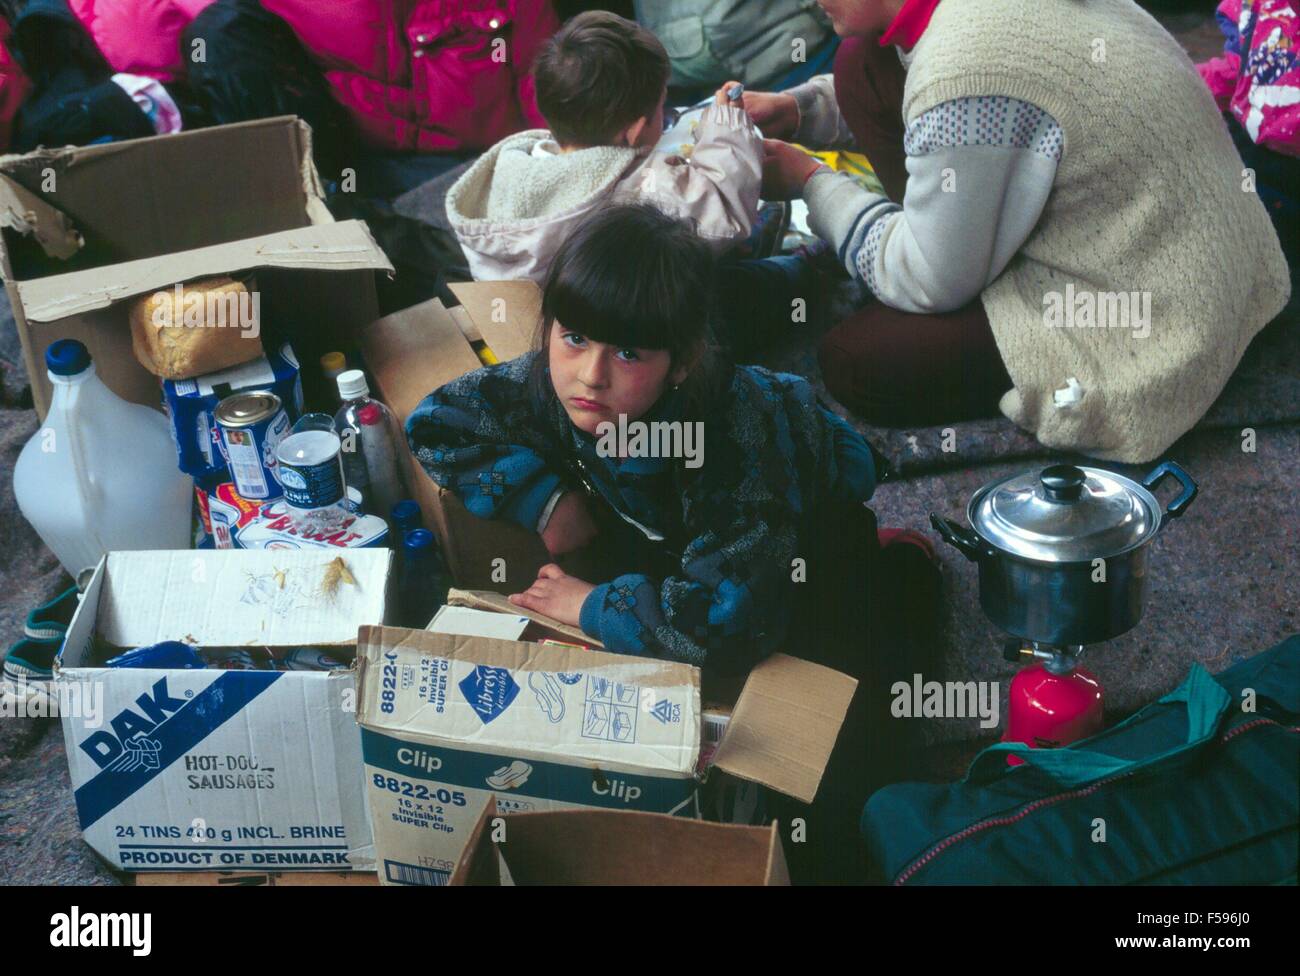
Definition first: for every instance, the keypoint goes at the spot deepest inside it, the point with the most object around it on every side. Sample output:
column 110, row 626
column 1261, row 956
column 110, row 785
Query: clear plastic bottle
column 101, row 474
column 370, row 441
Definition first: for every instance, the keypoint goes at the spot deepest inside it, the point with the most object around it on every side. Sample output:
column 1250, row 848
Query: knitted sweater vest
column 1150, row 212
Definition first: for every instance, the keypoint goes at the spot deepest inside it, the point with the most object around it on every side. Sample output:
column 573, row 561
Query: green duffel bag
column 1201, row 787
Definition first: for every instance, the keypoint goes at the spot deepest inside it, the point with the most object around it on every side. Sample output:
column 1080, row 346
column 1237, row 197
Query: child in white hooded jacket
column 601, row 85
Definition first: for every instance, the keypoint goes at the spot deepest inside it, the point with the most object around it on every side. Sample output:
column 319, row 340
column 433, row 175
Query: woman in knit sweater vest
column 1068, row 233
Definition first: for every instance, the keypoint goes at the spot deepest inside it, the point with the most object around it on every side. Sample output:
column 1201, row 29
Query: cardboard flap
column 344, row 246
column 778, row 874
column 785, row 724
column 533, row 701
column 413, row 352
column 227, row 598
column 25, row 212
column 479, row 866
column 504, row 312
column 613, row 847
column 498, row 603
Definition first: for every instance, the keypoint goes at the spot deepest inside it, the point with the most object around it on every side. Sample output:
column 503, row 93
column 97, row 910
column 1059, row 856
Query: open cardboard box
column 617, row 847
column 84, row 229
column 200, row 770
column 448, row 721
column 413, row 352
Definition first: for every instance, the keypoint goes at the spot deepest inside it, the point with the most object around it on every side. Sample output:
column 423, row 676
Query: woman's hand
column 785, row 170
column 556, row 594
column 775, row 113
column 570, row 526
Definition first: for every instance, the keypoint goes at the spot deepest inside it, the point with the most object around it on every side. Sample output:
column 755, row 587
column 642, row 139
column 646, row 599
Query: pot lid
column 1065, row 514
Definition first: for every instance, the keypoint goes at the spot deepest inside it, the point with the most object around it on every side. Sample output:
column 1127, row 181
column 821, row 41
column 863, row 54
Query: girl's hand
column 775, row 113
column 556, row 594
column 570, row 526
column 785, row 170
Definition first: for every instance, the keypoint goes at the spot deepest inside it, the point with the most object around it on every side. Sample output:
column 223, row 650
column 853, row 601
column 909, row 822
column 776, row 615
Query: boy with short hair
column 601, row 84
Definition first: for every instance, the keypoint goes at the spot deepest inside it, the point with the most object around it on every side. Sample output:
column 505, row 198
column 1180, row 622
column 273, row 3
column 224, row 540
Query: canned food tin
column 311, row 472
column 252, row 426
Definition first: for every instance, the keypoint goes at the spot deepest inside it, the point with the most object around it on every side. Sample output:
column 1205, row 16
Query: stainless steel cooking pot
column 1062, row 552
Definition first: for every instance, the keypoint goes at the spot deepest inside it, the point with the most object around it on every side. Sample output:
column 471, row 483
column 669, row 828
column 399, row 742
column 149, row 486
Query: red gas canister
column 1047, row 709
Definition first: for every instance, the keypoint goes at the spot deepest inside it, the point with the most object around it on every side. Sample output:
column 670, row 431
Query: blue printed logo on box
column 489, row 691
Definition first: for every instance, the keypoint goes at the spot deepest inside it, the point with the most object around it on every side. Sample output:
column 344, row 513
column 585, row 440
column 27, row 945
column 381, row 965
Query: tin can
column 252, row 426
column 231, row 659
column 309, row 659
column 311, row 474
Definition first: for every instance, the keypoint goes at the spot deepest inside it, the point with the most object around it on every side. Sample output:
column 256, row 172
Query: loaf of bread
column 197, row 327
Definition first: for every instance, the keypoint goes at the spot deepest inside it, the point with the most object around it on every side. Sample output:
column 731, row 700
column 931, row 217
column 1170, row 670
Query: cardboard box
column 541, row 627
column 123, row 219
column 447, row 721
column 609, row 847
column 212, row 769
column 413, row 352
column 258, row 879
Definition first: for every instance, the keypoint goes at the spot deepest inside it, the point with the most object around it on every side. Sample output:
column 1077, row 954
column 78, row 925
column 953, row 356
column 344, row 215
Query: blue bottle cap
column 406, row 512
column 418, row 541
column 67, row 357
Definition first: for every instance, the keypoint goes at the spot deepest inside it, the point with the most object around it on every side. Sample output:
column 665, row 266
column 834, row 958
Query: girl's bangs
column 629, row 323
column 621, row 295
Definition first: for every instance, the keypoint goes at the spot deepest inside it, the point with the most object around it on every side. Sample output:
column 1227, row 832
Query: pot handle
column 959, row 537
column 1179, row 504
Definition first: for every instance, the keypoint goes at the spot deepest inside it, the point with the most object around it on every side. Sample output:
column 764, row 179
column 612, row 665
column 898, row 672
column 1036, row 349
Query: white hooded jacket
column 513, row 208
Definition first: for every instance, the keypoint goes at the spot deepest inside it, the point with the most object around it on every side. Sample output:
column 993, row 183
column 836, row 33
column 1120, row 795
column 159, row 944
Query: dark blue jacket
column 774, row 462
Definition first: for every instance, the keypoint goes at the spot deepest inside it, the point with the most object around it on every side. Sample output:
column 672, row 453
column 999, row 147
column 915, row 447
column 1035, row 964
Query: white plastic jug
column 101, row 474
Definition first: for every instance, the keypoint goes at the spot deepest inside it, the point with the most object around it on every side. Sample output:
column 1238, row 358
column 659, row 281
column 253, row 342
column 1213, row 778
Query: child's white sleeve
column 718, row 189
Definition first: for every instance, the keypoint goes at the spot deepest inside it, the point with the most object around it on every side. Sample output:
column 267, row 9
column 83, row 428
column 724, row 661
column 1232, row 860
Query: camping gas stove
column 1053, row 701
column 1063, row 562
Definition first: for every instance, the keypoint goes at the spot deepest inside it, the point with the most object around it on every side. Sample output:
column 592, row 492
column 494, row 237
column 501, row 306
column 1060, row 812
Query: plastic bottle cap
column 407, row 510
column 352, row 384
column 333, row 362
column 67, row 357
column 418, row 540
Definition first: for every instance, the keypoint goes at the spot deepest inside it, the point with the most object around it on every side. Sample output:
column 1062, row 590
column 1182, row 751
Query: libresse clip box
column 201, row 770
column 448, row 721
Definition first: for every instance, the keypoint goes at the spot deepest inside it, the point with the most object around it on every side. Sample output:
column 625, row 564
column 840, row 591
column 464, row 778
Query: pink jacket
column 1264, row 96
column 431, row 75
column 14, row 87
column 139, row 37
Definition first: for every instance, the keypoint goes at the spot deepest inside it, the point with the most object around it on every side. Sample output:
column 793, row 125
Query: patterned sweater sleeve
column 980, row 171
column 729, row 606
column 468, row 436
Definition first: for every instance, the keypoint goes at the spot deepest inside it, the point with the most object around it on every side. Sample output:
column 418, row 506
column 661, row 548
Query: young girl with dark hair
column 753, row 537
column 625, row 318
